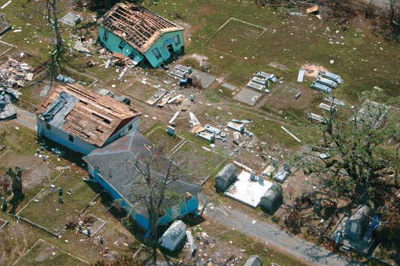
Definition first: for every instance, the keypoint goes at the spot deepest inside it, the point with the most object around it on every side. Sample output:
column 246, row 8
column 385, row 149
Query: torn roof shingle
column 136, row 25
column 84, row 114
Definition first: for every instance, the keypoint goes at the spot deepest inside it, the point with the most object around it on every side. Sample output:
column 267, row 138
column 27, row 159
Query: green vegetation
column 45, row 254
column 52, row 214
column 268, row 255
column 363, row 60
column 161, row 139
column 197, row 161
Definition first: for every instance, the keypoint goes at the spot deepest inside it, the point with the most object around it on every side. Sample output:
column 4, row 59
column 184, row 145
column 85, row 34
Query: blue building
column 115, row 167
column 136, row 32
column 83, row 120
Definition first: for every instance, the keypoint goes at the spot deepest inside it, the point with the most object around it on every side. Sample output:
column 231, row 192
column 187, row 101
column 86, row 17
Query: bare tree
column 55, row 65
column 154, row 173
column 393, row 18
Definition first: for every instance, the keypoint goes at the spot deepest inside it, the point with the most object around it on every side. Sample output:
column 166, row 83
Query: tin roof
column 136, row 25
column 84, row 114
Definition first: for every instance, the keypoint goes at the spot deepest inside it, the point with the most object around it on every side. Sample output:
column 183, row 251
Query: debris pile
column 7, row 109
column 190, row 77
column 14, row 74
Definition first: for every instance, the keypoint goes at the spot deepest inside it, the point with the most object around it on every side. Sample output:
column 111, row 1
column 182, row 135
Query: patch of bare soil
column 13, row 243
column 199, row 58
column 312, row 70
column 278, row 66
column 35, row 170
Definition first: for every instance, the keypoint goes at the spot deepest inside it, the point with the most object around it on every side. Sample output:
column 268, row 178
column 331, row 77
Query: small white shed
column 173, row 237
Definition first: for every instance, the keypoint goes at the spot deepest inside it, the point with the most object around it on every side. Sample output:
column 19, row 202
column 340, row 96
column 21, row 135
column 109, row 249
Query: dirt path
column 26, row 118
column 272, row 235
column 379, row 3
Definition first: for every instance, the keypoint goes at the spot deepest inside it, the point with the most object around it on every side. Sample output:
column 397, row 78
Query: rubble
column 7, row 109
column 283, row 173
column 71, row 19
column 14, row 74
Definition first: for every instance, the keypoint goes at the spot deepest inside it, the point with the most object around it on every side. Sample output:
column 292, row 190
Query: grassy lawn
column 43, row 253
column 161, row 139
column 251, row 246
column 197, row 161
column 51, row 214
column 235, row 37
column 363, row 60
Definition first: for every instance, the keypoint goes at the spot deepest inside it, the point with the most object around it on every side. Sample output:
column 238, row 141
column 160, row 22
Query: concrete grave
column 225, row 177
column 248, row 96
column 247, row 191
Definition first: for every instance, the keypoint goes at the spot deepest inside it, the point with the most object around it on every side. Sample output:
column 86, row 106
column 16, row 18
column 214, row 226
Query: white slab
column 300, row 77
column 247, row 191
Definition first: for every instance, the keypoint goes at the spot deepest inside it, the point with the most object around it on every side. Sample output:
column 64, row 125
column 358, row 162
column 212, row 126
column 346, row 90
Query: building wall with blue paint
column 183, row 208
column 63, row 138
column 175, row 39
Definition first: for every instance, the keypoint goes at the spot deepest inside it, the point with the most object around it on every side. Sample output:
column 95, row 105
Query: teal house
column 138, row 33
column 115, row 168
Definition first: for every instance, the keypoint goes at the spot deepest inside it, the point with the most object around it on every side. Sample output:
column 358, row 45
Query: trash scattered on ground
column 291, row 134
column 188, row 75
column 283, row 173
column 4, row 24
column 155, row 97
column 71, row 19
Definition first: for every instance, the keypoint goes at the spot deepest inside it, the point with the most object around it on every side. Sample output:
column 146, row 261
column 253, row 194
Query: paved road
column 279, row 239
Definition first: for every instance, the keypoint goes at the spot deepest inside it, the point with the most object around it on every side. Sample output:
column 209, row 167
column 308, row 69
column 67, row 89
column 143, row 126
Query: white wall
column 125, row 130
column 61, row 137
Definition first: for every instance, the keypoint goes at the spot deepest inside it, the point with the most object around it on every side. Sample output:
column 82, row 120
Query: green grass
column 198, row 162
column 51, row 214
column 289, row 41
column 45, row 254
column 227, row 40
column 161, row 139
column 19, row 141
column 252, row 247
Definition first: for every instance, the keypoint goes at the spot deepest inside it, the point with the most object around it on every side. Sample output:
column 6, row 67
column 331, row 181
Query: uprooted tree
column 363, row 155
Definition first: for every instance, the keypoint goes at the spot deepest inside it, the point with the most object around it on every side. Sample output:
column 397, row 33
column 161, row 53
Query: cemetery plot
column 200, row 163
column 46, row 210
column 162, row 140
column 43, row 253
column 235, row 36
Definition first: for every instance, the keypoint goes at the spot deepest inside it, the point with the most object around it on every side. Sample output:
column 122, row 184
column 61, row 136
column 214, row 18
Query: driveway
column 272, row 235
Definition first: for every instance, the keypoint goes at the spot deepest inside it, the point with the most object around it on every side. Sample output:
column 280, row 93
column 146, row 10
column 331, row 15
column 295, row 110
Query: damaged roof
column 116, row 165
column 136, row 25
column 84, row 114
